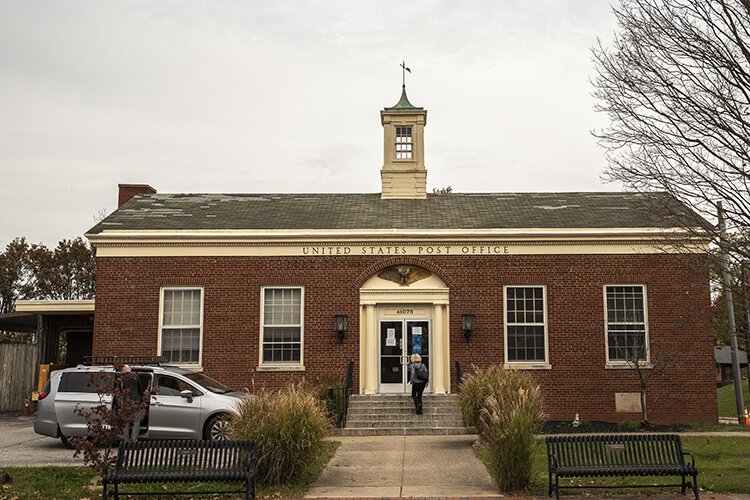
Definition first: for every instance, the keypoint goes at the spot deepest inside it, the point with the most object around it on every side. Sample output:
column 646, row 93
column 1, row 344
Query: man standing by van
column 131, row 395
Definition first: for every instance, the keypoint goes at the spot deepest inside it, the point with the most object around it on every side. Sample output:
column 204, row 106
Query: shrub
column 481, row 384
column 288, row 428
column 506, row 407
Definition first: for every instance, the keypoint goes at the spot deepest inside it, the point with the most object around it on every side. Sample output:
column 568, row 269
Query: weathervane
column 403, row 75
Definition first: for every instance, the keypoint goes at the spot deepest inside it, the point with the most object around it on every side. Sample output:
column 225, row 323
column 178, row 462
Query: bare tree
column 645, row 369
column 675, row 83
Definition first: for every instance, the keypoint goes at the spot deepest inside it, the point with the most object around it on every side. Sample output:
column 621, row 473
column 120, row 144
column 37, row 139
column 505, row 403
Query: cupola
column 403, row 175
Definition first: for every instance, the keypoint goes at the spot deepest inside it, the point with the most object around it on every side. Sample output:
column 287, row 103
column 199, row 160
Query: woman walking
column 418, row 377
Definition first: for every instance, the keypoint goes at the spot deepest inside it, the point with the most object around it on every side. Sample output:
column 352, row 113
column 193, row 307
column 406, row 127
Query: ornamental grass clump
column 507, row 409
column 476, row 387
column 288, row 428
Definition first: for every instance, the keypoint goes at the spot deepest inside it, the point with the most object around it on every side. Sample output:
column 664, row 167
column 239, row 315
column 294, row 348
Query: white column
column 438, row 377
column 447, row 351
column 371, row 350
column 362, row 349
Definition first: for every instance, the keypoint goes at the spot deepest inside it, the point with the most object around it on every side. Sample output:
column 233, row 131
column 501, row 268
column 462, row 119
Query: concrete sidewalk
column 434, row 467
column 404, row 466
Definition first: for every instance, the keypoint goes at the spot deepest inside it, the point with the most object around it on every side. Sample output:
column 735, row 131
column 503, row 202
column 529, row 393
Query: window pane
column 525, row 324
column 282, row 331
column 626, row 323
column 181, row 345
column 181, row 325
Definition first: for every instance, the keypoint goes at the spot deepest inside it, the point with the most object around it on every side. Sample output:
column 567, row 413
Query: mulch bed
column 564, row 427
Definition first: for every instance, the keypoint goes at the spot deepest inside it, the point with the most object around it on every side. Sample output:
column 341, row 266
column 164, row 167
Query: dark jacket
column 413, row 367
column 132, row 389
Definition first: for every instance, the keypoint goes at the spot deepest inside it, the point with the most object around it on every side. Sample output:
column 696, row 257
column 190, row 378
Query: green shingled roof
column 403, row 103
column 467, row 211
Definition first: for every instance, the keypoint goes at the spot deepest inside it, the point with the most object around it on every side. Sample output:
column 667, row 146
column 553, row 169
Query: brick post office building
column 260, row 290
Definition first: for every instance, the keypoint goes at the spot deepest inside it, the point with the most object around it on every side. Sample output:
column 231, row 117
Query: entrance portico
column 403, row 309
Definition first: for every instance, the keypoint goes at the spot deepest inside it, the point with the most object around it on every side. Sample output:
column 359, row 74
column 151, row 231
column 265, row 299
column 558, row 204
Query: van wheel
column 66, row 442
column 217, row 428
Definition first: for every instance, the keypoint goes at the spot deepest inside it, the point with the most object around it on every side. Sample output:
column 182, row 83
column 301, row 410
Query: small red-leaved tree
column 106, row 422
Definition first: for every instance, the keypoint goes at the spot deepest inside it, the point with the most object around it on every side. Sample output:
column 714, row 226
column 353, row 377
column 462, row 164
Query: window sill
column 527, row 366
column 625, row 366
column 280, row 368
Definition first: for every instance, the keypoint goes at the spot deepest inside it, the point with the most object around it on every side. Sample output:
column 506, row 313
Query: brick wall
column 127, row 305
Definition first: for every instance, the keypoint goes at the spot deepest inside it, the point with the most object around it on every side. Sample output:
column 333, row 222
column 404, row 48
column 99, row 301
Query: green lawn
column 723, row 464
column 727, row 404
column 72, row 483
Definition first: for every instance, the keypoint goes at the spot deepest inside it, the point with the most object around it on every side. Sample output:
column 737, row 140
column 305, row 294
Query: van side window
column 145, row 379
column 171, row 386
column 86, row 382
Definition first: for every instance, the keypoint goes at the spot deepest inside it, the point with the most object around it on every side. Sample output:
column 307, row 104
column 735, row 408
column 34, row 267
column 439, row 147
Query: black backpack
column 421, row 374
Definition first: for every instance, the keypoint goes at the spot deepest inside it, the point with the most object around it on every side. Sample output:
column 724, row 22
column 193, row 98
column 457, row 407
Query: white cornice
column 55, row 306
column 501, row 241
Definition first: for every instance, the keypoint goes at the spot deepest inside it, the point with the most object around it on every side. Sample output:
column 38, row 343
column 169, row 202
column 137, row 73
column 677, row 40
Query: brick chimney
column 127, row 191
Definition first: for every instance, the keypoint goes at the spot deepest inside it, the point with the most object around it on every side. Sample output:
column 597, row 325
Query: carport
column 62, row 334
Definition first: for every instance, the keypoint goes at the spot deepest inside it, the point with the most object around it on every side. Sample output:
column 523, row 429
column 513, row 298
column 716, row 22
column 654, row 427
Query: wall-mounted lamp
column 340, row 325
column 468, row 322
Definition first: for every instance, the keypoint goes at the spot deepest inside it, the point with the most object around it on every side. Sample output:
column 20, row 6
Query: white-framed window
column 181, row 325
column 525, row 324
column 403, row 143
column 626, row 323
column 282, row 332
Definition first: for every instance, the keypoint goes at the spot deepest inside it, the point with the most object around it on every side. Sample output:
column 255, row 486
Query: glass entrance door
column 399, row 339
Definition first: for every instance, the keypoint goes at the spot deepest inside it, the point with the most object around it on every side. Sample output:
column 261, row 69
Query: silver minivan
column 186, row 404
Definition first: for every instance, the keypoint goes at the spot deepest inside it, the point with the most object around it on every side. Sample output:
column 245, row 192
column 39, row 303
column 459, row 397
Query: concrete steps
column 394, row 415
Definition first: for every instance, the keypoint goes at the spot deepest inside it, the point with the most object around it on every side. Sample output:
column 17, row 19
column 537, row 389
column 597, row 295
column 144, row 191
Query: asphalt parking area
column 21, row 447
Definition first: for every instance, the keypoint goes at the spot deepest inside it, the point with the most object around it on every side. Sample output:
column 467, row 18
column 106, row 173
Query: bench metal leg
column 549, row 486
column 684, row 484
column 104, row 490
column 695, row 486
column 557, row 487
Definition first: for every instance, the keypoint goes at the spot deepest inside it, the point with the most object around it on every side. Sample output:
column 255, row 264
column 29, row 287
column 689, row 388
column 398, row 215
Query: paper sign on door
column 390, row 338
column 416, row 330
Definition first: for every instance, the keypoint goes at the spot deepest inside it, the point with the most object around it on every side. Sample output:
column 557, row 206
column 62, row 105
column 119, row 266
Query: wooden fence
column 18, row 367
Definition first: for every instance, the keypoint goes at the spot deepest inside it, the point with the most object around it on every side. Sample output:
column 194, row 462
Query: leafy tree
column 18, row 277
column 33, row 271
column 675, row 83
column 67, row 272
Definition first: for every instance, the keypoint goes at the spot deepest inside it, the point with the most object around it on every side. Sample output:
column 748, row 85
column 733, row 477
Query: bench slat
column 612, row 455
column 184, row 460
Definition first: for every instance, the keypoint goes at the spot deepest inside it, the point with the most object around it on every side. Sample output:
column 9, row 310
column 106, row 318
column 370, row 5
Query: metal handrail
column 338, row 398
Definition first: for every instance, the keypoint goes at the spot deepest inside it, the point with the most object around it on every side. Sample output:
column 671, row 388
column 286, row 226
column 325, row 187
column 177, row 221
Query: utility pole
column 746, row 294
column 730, row 313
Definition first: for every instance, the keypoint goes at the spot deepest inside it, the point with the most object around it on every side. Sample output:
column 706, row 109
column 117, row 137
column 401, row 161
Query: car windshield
column 207, row 383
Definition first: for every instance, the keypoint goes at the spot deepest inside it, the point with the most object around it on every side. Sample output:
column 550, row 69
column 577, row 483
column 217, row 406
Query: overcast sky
column 284, row 96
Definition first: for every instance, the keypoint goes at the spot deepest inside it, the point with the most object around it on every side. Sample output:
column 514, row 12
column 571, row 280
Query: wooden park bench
column 618, row 455
column 182, row 460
